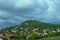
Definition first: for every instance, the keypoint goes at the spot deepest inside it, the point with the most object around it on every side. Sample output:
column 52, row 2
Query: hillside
column 34, row 24
column 34, row 28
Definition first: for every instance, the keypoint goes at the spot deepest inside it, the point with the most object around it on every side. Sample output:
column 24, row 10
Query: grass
column 51, row 38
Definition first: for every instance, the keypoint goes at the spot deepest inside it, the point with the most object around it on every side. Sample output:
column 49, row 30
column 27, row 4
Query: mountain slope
column 30, row 24
column 35, row 23
column 33, row 29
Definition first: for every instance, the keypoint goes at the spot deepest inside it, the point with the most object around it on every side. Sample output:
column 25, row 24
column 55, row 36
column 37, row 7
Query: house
column 54, row 31
column 1, row 39
column 36, row 29
column 58, row 30
column 1, row 36
column 45, row 33
column 9, row 35
column 45, row 30
column 14, row 30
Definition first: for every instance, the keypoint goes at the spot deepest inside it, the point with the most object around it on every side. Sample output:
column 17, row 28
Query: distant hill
column 32, row 29
column 33, row 24
column 38, row 24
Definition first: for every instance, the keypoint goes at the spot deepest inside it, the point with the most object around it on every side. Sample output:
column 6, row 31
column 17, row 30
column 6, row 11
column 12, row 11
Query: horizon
column 26, row 21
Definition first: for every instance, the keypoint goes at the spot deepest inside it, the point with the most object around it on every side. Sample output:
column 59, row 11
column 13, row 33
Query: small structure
column 26, row 23
column 54, row 31
column 14, row 30
column 1, row 39
column 44, row 31
column 36, row 29
column 1, row 36
column 58, row 29
column 32, row 19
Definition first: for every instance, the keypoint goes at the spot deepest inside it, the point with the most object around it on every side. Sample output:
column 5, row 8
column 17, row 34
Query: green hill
column 33, row 24
column 33, row 29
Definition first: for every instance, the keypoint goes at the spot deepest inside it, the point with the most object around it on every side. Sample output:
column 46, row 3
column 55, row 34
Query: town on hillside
column 30, row 30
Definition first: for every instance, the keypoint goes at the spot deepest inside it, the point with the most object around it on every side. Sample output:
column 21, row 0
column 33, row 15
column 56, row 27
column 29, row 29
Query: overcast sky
column 14, row 12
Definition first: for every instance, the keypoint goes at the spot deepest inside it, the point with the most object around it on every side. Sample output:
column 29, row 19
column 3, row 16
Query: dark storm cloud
column 16, row 11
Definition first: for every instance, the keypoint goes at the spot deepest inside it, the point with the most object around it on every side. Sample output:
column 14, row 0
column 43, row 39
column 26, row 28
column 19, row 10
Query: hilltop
column 33, row 24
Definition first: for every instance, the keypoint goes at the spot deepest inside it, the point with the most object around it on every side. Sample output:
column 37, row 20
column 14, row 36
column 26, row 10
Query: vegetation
column 31, row 29
column 51, row 38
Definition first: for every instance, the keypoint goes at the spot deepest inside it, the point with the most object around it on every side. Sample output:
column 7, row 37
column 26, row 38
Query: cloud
column 13, row 12
column 23, row 3
column 54, row 10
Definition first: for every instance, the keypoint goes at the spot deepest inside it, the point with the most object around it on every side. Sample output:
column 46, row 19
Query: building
column 1, row 36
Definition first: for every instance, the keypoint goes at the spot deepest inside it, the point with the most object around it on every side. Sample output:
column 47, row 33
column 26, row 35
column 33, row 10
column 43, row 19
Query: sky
column 13, row 12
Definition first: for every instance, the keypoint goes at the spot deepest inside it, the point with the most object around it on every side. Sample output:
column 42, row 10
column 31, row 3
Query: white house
column 0, row 39
column 1, row 36
column 35, row 29
column 58, row 30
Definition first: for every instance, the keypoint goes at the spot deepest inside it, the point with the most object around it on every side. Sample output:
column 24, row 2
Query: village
column 32, row 34
column 27, row 31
